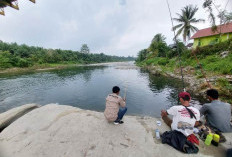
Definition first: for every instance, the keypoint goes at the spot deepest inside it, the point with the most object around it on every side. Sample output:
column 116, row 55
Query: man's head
column 116, row 90
column 212, row 94
column 184, row 97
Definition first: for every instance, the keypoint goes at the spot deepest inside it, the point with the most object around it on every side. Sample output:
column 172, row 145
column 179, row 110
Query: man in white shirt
column 185, row 117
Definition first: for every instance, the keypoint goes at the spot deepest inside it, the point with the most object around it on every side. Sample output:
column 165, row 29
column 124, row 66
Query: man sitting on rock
column 115, row 107
column 217, row 113
column 185, row 117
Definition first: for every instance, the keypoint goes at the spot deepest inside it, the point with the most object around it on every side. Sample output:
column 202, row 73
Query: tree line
column 185, row 27
column 14, row 55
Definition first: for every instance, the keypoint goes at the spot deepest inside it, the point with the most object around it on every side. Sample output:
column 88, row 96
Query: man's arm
column 173, row 110
column 164, row 113
column 198, row 123
column 203, row 110
column 122, row 102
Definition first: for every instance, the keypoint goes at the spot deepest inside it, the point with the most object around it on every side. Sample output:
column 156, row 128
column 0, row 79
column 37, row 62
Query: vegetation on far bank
column 215, row 64
column 14, row 55
column 210, row 58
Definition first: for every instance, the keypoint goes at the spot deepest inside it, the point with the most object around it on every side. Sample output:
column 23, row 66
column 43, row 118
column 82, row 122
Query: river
column 87, row 86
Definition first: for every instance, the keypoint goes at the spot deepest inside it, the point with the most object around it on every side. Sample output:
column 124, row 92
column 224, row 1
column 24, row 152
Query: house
column 189, row 46
column 206, row 36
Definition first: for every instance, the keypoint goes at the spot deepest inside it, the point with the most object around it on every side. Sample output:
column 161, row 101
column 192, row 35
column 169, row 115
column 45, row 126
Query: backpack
column 179, row 141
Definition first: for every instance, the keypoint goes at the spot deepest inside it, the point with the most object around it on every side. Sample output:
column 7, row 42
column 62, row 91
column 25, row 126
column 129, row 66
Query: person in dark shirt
column 217, row 113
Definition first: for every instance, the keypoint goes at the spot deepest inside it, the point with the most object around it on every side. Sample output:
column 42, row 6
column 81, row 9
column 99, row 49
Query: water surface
column 86, row 87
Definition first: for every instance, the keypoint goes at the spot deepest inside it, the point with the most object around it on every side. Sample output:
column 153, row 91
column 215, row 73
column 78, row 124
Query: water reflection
column 87, row 87
column 82, row 71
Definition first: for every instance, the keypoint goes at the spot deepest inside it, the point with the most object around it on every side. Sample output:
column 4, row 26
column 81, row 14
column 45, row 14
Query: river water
column 87, row 86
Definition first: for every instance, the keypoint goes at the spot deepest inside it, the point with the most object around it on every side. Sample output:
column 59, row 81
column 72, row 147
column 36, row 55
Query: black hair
column 186, row 98
column 116, row 89
column 213, row 93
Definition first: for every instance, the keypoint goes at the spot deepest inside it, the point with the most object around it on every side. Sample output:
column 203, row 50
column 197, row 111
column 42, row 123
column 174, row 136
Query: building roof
column 190, row 45
column 226, row 28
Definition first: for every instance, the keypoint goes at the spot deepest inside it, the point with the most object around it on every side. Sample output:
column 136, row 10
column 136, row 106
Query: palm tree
column 208, row 5
column 159, row 38
column 227, row 17
column 186, row 19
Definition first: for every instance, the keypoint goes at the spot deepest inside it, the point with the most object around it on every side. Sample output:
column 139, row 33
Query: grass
column 225, row 88
column 38, row 66
column 213, row 65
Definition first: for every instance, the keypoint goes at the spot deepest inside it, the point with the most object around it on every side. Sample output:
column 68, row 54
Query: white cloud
column 121, row 27
column 122, row 2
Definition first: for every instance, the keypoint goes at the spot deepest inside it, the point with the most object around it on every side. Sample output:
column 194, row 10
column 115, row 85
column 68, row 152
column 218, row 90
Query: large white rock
column 64, row 131
column 8, row 117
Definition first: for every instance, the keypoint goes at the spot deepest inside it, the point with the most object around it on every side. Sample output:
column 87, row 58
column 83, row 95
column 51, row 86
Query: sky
column 114, row 27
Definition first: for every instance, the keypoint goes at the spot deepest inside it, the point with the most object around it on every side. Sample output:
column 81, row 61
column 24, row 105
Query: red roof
column 226, row 28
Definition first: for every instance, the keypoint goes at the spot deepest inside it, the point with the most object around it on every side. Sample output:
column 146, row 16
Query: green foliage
column 163, row 61
column 158, row 38
column 23, row 63
column 208, row 56
column 225, row 83
column 186, row 19
column 157, row 61
column 152, row 61
column 152, row 54
column 178, row 48
column 5, row 59
column 213, row 49
column 13, row 55
column 159, row 45
column 84, row 48
column 225, row 87
column 142, row 55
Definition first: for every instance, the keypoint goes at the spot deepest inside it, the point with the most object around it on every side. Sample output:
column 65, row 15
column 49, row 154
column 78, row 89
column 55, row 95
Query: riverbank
column 57, row 131
column 47, row 67
column 193, row 82
column 212, row 61
column 36, row 68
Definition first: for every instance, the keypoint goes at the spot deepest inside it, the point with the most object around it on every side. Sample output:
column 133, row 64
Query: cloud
column 120, row 27
column 122, row 2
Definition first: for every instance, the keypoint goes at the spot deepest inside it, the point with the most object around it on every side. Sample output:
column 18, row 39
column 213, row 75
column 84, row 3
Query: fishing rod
column 177, row 46
column 125, row 90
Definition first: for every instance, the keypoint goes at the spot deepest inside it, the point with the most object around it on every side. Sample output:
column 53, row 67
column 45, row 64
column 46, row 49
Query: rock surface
column 8, row 117
column 65, row 131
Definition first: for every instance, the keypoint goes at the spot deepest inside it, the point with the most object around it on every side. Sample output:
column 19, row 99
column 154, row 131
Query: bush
column 163, row 61
column 23, row 63
column 6, row 59
column 151, row 61
column 225, row 87
column 213, row 49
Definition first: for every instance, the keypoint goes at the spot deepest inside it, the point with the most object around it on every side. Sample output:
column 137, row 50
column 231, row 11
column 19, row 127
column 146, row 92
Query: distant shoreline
column 47, row 67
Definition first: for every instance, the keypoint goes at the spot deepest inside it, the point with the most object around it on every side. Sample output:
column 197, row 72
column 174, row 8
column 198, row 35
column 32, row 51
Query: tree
column 159, row 38
column 142, row 55
column 208, row 5
column 13, row 55
column 84, row 49
column 158, row 45
column 224, row 16
column 186, row 19
column 228, row 17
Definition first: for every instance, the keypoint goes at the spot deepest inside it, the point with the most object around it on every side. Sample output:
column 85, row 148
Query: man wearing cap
column 185, row 117
column 217, row 113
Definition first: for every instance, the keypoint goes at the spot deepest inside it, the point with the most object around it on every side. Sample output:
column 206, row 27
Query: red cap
column 183, row 94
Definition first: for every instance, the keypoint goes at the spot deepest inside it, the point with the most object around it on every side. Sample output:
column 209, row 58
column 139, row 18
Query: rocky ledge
column 65, row 131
